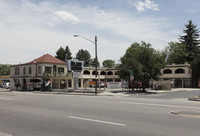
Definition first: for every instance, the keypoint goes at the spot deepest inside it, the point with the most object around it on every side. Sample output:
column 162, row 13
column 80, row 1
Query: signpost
column 76, row 66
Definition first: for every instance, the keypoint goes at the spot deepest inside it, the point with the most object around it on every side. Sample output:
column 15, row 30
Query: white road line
column 99, row 121
column 161, row 105
column 3, row 98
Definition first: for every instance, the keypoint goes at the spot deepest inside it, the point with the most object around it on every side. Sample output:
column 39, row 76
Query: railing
column 54, row 74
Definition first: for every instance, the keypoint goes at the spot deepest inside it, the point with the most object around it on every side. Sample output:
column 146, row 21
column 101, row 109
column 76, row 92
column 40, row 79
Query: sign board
column 75, row 65
column 92, row 82
column 131, row 77
column 131, row 72
column 125, row 84
column 114, row 84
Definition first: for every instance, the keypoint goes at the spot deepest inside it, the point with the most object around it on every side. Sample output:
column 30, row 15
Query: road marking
column 99, row 121
column 4, row 98
column 161, row 105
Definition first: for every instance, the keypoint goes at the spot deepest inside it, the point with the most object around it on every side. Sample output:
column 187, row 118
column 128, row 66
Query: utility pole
column 96, row 65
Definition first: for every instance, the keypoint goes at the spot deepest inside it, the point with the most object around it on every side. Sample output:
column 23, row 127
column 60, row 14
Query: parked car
column 2, row 85
column 7, row 85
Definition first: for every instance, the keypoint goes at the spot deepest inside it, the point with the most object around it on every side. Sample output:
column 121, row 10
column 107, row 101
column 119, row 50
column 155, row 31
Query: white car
column 7, row 85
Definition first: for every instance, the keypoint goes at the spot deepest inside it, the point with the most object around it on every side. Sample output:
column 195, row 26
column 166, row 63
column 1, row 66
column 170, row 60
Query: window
column 24, row 70
column 30, row 70
column 109, row 80
column 180, row 71
column 103, row 73
column 86, row 72
column 110, row 73
column 48, row 70
column 61, row 70
column 69, row 83
column 167, row 71
column 94, row 73
column 17, row 71
column 39, row 70
column 79, row 83
column 117, row 80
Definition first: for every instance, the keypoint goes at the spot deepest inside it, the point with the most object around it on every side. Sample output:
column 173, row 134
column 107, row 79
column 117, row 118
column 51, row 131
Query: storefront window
column 79, row 83
column 69, row 83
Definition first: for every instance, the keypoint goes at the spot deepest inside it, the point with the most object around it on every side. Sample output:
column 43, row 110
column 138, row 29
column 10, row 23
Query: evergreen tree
column 68, row 53
column 191, row 40
column 60, row 54
column 85, row 56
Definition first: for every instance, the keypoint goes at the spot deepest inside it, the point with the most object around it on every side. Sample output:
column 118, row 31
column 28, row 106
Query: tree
column 60, row 54
column 93, row 64
column 195, row 65
column 85, row 56
column 4, row 69
column 191, row 40
column 68, row 53
column 108, row 63
column 175, row 53
column 144, row 61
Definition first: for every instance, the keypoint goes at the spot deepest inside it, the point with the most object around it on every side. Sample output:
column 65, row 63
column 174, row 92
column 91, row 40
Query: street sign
column 131, row 77
column 131, row 72
column 75, row 65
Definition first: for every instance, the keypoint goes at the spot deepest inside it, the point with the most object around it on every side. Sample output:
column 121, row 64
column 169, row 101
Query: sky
column 32, row 28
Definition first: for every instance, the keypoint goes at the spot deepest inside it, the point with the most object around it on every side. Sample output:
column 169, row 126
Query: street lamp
column 95, row 42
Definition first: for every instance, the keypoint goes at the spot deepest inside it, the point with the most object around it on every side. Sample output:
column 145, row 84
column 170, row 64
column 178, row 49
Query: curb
column 194, row 99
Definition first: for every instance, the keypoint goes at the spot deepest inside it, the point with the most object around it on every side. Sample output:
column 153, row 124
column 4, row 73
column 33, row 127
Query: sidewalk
column 107, row 92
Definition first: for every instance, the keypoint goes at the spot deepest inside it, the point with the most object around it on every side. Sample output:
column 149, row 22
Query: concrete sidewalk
column 107, row 92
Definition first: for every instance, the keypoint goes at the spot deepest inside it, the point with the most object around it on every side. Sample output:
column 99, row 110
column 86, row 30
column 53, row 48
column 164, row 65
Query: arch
column 94, row 73
column 86, row 72
column 110, row 73
column 103, row 73
column 167, row 71
column 180, row 71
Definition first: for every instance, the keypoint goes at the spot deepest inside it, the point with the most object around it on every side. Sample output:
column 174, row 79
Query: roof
column 47, row 59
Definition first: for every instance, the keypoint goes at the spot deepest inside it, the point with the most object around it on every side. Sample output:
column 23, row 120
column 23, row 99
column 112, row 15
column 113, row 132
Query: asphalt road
column 33, row 114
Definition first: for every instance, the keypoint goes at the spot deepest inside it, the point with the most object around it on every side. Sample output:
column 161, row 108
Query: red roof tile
column 47, row 59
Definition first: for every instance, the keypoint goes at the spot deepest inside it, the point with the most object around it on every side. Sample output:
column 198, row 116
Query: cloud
column 148, row 4
column 66, row 16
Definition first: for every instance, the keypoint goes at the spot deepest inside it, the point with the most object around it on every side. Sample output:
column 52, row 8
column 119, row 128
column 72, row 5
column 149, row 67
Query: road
column 34, row 114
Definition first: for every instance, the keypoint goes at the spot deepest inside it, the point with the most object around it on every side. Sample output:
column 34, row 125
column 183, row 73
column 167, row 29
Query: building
column 36, row 74
column 180, row 75
column 104, row 75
